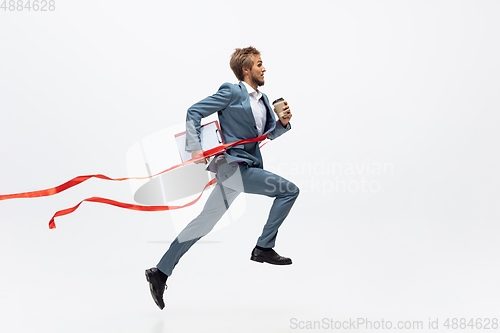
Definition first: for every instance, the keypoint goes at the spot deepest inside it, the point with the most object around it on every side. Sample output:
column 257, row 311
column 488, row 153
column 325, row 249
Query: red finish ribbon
column 80, row 179
column 52, row 224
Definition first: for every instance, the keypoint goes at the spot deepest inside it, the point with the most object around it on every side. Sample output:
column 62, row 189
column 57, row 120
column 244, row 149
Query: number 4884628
column 28, row 5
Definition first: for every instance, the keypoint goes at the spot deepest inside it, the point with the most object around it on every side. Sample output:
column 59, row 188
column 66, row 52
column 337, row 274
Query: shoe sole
column 151, row 290
column 257, row 259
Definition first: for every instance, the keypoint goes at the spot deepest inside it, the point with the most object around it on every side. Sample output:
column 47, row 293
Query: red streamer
column 52, row 224
column 80, row 179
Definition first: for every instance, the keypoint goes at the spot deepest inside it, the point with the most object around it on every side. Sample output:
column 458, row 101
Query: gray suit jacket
column 237, row 123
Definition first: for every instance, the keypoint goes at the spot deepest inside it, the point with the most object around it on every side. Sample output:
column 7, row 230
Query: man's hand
column 287, row 115
column 195, row 153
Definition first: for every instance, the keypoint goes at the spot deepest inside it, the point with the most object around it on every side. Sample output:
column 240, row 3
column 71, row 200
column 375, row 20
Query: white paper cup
column 278, row 105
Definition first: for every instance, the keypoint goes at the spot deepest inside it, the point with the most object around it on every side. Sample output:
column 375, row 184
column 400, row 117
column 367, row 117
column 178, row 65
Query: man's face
column 257, row 71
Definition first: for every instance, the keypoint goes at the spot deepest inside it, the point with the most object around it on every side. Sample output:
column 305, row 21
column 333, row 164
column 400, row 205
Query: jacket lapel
column 245, row 97
column 270, row 121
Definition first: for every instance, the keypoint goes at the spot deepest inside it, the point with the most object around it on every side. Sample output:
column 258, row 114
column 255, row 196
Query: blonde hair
column 242, row 58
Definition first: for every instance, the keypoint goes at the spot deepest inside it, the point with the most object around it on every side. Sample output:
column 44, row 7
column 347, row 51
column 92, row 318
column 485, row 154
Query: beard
column 258, row 79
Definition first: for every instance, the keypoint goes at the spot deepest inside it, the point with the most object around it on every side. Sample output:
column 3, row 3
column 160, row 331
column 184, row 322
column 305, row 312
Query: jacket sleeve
column 278, row 130
column 218, row 101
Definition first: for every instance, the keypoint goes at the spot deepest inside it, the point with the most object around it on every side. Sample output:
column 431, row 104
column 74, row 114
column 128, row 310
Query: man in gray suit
column 244, row 113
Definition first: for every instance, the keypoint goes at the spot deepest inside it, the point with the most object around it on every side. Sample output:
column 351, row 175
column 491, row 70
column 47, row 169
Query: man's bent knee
column 292, row 189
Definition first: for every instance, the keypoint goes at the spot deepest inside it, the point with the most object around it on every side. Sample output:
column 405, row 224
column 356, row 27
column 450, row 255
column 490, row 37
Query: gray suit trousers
column 232, row 179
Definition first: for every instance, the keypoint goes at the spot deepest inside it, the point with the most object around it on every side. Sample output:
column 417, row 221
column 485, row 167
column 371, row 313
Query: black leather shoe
column 271, row 257
column 156, row 285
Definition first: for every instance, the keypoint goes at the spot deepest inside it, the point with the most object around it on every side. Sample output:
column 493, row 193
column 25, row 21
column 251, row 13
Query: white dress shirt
column 258, row 108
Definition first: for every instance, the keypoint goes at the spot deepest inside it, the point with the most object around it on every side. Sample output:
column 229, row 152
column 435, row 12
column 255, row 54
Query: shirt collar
column 251, row 91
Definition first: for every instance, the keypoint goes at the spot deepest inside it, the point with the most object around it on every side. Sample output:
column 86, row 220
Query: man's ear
column 245, row 70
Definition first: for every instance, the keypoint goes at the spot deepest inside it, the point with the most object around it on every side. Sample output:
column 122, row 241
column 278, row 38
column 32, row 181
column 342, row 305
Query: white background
column 414, row 85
